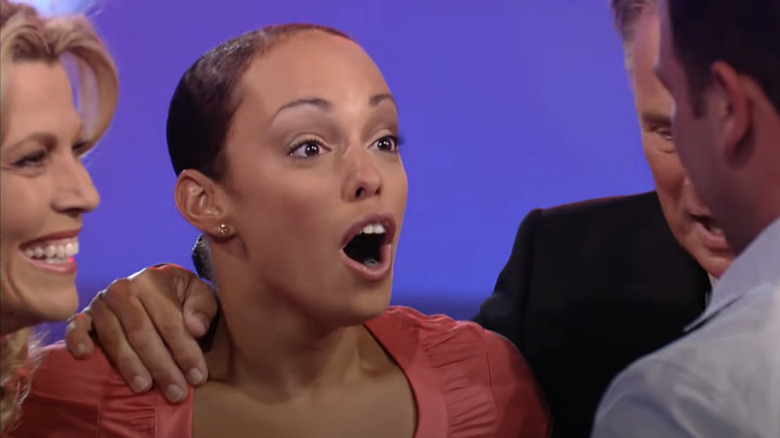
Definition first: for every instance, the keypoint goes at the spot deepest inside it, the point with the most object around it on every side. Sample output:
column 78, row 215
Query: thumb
column 199, row 307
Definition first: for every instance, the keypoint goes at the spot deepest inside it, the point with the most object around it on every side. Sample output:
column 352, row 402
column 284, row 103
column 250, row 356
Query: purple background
column 505, row 105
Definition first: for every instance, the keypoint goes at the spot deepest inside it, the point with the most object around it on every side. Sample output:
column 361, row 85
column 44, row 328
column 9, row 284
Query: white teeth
column 374, row 229
column 55, row 252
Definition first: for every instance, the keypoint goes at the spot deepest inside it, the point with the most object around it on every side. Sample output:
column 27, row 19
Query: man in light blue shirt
column 721, row 62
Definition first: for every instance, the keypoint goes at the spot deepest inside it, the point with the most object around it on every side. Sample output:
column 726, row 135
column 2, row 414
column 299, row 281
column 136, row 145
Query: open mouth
column 710, row 225
column 367, row 246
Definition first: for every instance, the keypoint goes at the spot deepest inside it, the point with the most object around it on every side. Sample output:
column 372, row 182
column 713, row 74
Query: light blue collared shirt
column 721, row 380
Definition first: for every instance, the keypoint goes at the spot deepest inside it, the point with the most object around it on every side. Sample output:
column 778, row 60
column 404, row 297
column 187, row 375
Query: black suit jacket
column 589, row 288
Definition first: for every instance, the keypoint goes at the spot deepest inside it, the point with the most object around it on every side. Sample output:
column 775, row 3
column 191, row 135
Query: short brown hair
column 745, row 34
column 203, row 105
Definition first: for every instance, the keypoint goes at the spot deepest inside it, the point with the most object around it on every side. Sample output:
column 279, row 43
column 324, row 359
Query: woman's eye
column 34, row 159
column 307, row 149
column 80, row 148
column 389, row 143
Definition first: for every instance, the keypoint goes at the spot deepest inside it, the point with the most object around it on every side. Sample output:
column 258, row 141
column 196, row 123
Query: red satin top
column 467, row 381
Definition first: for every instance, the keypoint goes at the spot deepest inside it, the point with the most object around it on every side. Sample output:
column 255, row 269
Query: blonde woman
column 44, row 188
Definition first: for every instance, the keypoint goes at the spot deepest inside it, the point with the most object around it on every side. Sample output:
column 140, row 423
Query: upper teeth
column 54, row 250
column 373, row 229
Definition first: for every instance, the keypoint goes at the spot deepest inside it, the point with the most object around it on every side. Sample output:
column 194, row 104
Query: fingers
column 140, row 334
column 77, row 335
column 117, row 347
column 169, row 321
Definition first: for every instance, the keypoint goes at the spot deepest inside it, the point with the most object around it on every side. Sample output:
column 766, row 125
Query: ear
column 733, row 109
column 201, row 202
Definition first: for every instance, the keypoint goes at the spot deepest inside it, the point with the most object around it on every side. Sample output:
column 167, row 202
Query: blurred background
column 505, row 108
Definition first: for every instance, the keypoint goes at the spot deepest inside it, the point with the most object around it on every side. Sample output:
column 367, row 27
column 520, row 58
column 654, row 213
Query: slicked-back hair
column 204, row 103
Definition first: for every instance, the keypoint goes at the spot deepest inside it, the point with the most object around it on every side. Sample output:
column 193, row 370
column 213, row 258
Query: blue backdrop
column 505, row 105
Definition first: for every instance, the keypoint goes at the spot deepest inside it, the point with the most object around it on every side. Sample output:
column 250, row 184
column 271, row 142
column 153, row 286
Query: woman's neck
column 276, row 353
column 281, row 358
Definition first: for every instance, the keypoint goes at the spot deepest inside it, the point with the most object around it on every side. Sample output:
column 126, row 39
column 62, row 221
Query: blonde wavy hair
column 27, row 37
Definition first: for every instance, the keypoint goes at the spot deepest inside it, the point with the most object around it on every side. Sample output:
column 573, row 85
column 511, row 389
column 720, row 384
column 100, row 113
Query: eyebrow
column 656, row 118
column 326, row 105
column 378, row 98
column 46, row 138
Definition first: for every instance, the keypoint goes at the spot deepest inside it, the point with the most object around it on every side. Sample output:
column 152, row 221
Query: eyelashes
column 307, row 148
column 310, row 147
column 37, row 158
column 80, row 148
column 400, row 140
column 396, row 139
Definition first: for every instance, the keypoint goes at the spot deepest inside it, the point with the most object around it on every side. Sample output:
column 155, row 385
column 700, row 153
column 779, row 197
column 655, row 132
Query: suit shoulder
column 638, row 204
column 624, row 226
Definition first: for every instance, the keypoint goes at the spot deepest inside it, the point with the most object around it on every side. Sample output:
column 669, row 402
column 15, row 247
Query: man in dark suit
column 588, row 288
column 591, row 287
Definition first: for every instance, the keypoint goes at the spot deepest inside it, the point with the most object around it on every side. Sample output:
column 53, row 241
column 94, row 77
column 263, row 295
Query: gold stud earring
column 224, row 229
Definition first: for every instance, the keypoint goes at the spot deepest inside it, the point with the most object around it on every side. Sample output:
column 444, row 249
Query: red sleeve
column 485, row 385
column 63, row 399
column 522, row 410
column 72, row 398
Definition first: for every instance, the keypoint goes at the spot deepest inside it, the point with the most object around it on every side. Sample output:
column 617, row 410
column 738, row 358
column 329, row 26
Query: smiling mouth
column 366, row 246
column 55, row 252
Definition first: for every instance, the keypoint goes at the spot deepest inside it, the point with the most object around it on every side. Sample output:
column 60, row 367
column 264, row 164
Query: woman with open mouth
column 286, row 145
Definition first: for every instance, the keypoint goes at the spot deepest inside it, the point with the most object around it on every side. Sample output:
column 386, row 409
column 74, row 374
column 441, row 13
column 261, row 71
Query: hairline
column 626, row 15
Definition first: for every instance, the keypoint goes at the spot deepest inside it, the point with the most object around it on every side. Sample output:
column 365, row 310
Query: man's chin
column 711, row 250
column 714, row 263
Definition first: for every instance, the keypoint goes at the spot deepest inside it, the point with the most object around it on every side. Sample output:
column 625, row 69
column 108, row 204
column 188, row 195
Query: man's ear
column 201, row 202
column 733, row 110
